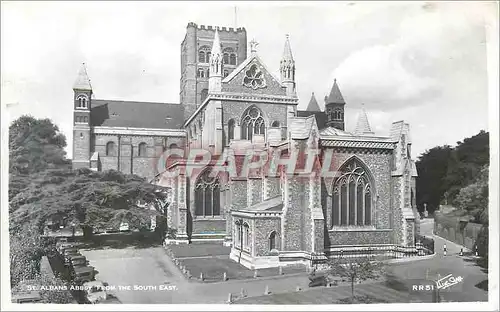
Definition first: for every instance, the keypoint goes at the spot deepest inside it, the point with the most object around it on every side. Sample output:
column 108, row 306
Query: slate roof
column 334, row 131
column 271, row 204
column 82, row 81
column 300, row 127
column 335, row 96
column 313, row 105
column 357, row 144
column 363, row 126
column 321, row 117
column 111, row 113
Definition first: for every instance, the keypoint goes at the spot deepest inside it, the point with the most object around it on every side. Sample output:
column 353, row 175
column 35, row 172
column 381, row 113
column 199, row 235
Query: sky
column 425, row 63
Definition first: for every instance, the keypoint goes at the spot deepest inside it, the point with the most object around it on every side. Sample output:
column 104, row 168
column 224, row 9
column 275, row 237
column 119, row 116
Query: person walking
column 444, row 249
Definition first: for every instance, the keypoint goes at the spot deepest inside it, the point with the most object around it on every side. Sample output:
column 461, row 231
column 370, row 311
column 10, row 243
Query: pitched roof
column 363, row 126
column 335, row 96
column 331, row 131
column 82, row 81
column 110, row 113
column 245, row 63
column 313, row 105
column 321, row 117
column 300, row 127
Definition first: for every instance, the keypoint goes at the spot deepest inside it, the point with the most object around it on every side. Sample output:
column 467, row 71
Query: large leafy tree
column 42, row 189
column 432, row 167
column 443, row 171
column 35, row 145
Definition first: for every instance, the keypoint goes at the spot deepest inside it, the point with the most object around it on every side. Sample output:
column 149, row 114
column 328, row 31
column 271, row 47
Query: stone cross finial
column 253, row 45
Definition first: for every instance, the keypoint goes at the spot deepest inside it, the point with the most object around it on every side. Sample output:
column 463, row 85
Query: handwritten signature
column 447, row 281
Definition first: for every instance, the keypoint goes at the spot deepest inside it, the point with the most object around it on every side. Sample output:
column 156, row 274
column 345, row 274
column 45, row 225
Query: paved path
column 152, row 266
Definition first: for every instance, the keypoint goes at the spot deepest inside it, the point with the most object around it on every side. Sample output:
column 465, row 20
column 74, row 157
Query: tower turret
column 216, row 64
column 287, row 68
column 82, row 101
column 334, row 108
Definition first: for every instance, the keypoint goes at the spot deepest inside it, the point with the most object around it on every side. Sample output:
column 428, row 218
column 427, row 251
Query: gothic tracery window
column 207, row 195
column 254, row 78
column 352, row 197
column 252, row 123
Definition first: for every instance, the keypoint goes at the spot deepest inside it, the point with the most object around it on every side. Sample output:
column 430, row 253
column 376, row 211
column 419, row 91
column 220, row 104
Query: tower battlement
column 221, row 29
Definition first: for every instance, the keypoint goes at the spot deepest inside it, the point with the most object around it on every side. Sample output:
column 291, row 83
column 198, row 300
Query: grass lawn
column 213, row 269
column 199, row 250
column 367, row 293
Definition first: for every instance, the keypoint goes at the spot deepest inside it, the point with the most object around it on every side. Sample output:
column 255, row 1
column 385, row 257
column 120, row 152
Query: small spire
column 363, row 126
column 335, row 96
column 287, row 52
column 82, row 81
column 313, row 105
column 216, row 44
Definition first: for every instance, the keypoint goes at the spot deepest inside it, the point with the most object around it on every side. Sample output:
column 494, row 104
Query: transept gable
column 252, row 76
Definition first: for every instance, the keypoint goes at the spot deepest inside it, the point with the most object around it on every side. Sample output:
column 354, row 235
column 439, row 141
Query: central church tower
column 196, row 50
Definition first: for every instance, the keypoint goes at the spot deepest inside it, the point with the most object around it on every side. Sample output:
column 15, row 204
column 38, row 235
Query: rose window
column 254, row 78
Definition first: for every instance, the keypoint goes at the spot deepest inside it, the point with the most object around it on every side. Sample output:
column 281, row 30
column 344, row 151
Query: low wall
column 455, row 230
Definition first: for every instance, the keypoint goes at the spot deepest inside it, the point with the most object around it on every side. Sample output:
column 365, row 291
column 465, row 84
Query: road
column 151, row 267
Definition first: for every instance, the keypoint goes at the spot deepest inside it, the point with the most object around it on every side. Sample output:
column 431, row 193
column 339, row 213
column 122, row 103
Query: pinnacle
column 82, row 81
column 335, row 96
column 287, row 52
column 216, row 44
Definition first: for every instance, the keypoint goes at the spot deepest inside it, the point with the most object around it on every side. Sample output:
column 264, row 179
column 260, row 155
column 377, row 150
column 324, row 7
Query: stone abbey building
column 233, row 108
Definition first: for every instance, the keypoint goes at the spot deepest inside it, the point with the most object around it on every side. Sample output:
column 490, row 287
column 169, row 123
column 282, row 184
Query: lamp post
column 73, row 229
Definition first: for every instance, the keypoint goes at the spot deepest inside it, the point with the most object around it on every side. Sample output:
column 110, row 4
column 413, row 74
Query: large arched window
column 230, row 130
column 272, row 240
column 207, row 195
column 252, row 123
column 352, row 196
column 111, row 149
column 142, row 150
column 232, row 59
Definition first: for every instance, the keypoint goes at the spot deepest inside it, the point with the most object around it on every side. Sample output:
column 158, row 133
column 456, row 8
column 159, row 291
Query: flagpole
column 235, row 18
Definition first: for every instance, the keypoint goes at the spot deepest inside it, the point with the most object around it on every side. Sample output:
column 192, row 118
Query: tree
column 473, row 198
column 88, row 199
column 355, row 269
column 35, row 145
column 432, row 168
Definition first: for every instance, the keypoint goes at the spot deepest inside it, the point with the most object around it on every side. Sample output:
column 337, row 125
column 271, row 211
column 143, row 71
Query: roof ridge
column 133, row 101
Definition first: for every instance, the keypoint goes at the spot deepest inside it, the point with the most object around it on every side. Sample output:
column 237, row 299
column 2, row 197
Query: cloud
column 436, row 48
